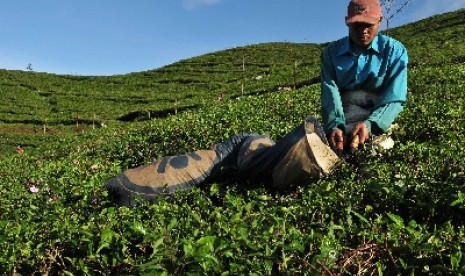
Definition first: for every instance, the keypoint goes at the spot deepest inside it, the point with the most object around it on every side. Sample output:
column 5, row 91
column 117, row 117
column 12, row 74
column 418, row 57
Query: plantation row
column 60, row 99
column 37, row 103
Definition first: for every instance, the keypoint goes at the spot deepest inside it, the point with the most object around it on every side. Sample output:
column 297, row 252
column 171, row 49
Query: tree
column 393, row 7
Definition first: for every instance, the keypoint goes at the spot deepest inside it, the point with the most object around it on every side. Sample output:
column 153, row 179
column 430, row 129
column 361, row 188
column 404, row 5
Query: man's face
column 362, row 34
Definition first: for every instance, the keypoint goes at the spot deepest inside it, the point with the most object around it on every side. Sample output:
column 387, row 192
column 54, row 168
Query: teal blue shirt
column 381, row 69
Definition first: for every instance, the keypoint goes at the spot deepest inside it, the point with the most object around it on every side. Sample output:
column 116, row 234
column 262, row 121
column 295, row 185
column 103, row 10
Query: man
column 364, row 87
column 363, row 79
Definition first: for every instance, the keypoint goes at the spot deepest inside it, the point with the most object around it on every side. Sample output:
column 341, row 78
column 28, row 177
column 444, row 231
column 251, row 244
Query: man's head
column 363, row 19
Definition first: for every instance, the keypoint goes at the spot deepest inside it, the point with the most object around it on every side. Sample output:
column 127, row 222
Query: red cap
column 366, row 11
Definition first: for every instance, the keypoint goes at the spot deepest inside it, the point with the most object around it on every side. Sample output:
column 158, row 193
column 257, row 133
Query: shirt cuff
column 368, row 125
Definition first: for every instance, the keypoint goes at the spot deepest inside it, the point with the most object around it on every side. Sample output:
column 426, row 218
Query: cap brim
column 362, row 19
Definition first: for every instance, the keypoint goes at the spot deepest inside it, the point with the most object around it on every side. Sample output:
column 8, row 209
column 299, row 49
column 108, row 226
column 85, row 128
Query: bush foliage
column 392, row 212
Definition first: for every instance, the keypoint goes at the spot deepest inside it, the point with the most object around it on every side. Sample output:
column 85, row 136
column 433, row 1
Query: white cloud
column 192, row 4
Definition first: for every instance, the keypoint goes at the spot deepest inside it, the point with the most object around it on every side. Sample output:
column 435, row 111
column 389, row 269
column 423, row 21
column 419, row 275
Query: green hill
column 397, row 212
column 38, row 103
column 47, row 103
column 189, row 83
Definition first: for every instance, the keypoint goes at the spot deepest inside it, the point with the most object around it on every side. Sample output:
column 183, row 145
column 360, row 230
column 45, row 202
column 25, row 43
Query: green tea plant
column 382, row 212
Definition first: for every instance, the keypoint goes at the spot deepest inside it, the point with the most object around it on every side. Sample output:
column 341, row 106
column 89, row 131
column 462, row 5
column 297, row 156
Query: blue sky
column 108, row 37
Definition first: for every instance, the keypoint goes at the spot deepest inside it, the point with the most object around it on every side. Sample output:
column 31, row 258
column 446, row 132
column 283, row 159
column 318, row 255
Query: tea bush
column 392, row 212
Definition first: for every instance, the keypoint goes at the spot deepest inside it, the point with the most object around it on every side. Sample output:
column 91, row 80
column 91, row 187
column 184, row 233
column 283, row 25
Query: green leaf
column 360, row 217
column 157, row 243
column 456, row 202
column 106, row 238
column 396, row 219
column 138, row 228
column 455, row 260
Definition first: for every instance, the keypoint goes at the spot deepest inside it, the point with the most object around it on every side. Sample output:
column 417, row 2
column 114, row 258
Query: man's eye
column 363, row 26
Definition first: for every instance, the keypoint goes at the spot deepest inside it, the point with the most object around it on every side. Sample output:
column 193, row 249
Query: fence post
column 243, row 73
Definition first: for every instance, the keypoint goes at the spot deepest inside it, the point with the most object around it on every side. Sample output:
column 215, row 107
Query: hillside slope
column 38, row 99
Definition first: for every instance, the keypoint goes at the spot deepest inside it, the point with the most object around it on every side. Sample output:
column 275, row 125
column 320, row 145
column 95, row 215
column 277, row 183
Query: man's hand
column 361, row 132
column 336, row 140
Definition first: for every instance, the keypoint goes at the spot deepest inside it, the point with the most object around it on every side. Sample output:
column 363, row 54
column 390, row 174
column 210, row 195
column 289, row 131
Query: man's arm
column 393, row 98
column 383, row 117
column 331, row 103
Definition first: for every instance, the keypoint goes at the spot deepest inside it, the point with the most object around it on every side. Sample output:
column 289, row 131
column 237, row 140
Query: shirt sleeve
column 331, row 103
column 382, row 117
column 395, row 87
column 393, row 98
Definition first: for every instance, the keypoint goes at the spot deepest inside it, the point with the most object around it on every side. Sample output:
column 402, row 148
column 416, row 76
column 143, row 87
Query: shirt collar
column 374, row 44
column 345, row 47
